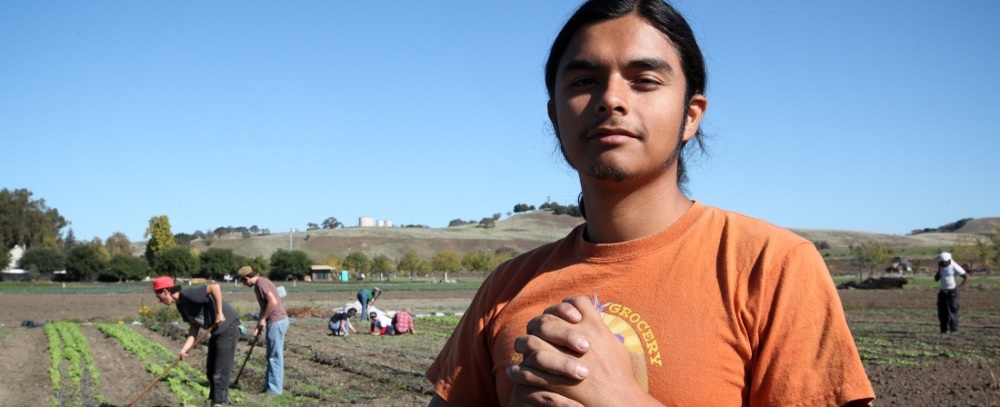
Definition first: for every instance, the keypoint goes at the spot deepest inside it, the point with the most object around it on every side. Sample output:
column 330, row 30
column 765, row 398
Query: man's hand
column 219, row 318
column 572, row 359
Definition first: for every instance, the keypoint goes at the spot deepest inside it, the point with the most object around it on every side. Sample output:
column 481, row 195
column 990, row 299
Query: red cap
column 160, row 283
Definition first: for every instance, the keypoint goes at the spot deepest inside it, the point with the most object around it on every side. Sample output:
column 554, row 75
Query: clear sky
column 878, row 116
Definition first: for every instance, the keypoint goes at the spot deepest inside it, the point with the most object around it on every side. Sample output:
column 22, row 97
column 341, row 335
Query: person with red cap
column 203, row 308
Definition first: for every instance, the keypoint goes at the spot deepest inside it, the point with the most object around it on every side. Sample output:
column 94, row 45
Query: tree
column 69, row 242
column 183, row 239
column 261, row 265
column 84, row 263
column 382, row 264
column 312, row 226
column 4, row 258
column 42, row 260
column 521, row 207
column 446, row 261
column 123, row 267
column 285, row 264
column 160, row 238
column 488, row 223
column 412, row 263
column 868, row 255
column 480, row 261
column 27, row 222
column 176, row 262
column 216, row 263
column 357, row 262
column 332, row 223
column 117, row 244
column 254, row 229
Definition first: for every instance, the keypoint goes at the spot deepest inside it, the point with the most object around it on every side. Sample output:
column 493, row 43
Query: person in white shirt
column 947, row 302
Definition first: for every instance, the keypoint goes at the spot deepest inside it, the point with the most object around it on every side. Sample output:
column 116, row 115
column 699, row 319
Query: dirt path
column 123, row 375
column 24, row 351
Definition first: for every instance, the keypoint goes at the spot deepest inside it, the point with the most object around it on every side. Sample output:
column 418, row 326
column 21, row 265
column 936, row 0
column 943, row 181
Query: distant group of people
column 380, row 324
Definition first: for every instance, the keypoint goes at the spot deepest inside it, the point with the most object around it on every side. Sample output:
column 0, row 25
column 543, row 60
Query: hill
column 523, row 232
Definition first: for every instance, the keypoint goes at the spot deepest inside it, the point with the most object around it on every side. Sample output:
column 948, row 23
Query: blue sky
column 855, row 115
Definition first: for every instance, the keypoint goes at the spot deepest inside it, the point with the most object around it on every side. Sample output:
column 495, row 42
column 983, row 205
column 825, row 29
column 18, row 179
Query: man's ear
column 695, row 111
column 551, row 107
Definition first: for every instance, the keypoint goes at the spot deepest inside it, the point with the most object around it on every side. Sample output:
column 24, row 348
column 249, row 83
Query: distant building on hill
column 370, row 222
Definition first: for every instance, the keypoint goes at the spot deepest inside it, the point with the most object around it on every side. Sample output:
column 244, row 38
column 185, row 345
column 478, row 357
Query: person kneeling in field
column 402, row 322
column 340, row 322
column 202, row 308
column 381, row 324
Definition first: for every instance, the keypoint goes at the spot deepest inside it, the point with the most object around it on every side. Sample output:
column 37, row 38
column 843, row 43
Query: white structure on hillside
column 370, row 222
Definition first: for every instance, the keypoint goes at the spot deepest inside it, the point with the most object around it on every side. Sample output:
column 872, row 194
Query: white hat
column 944, row 256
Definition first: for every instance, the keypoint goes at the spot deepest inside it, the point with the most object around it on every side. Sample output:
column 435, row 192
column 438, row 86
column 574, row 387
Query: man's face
column 165, row 297
column 248, row 281
column 618, row 105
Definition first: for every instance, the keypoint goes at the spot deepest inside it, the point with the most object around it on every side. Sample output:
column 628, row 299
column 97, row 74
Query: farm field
column 908, row 361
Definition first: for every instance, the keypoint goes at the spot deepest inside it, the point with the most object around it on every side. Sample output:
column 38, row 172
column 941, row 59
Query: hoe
column 165, row 371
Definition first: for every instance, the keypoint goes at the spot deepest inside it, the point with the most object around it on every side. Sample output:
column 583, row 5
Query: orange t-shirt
column 718, row 309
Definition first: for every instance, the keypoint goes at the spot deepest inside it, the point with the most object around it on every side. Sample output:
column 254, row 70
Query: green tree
column 160, row 238
column 869, row 255
column 118, row 243
column 176, row 262
column 481, row 261
column 382, row 264
column 411, row 263
column 446, row 261
column 332, row 223
column 488, row 223
column 69, row 242
column 27, row 222
column 84, row 263
column 216, row 263
column 357, row 262
column 285, row 265
column 4, row 258
column 123, row 267
column 42, row 260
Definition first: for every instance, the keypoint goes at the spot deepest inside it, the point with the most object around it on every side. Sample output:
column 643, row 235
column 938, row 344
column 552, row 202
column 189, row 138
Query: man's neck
column 623, row 214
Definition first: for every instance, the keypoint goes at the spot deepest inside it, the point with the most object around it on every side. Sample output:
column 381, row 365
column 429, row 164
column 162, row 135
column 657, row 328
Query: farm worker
column 340, row 322
column 947, row 300
column 274, row 320
column 657, row 298
column 366, row 296
column 202, row 307
column 381, row 324
column 402, row 322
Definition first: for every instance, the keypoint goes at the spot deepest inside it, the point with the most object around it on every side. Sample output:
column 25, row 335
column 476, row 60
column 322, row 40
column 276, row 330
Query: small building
column 320, row 272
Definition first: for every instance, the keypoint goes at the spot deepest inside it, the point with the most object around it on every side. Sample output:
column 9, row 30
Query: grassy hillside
column 526, row 231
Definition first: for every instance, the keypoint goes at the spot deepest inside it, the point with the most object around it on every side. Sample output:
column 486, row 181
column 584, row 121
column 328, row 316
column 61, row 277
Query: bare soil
column 908, row 361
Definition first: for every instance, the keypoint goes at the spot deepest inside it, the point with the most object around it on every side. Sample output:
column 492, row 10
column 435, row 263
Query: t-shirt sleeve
column 805, row 353
column 462, row 373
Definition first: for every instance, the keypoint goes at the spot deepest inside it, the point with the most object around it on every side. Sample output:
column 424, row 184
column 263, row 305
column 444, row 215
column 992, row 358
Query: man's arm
column 965, row 279
column 216, row 292
column 272, row 302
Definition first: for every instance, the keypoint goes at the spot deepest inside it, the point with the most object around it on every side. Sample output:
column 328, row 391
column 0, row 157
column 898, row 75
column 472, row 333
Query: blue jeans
column 276, row 356
column 363, row 299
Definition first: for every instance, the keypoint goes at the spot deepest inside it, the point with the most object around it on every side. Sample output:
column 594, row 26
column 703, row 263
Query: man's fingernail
column 581, row 371
column 583, row 344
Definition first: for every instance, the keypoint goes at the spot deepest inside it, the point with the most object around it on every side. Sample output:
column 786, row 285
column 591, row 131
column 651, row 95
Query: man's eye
column 583, row 82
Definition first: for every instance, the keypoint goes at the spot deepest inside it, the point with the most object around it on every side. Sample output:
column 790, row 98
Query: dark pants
column 219, row 366
column 947, row 305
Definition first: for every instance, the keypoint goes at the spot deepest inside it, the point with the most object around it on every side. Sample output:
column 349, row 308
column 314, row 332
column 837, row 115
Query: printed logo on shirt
column 637, row 336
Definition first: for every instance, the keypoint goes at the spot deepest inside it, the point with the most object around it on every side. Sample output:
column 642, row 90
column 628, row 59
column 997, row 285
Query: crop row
column 185, row 382
column 70, row 353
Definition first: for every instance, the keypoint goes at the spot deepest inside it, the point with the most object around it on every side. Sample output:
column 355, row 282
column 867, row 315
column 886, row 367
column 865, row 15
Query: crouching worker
column 381, row 324
column 403, row 322
column 202, row 308
column 340, row 322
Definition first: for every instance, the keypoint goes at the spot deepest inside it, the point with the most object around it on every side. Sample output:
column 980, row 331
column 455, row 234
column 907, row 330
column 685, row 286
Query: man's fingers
column 541, row 358
column 558, row 332
column 565, row 310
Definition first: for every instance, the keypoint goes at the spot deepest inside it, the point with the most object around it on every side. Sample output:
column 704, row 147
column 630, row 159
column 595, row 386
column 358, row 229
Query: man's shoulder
column 750, row 226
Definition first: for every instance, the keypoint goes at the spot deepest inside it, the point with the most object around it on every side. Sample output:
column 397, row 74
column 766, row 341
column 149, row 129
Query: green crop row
column 187, row 383
column 66, row 342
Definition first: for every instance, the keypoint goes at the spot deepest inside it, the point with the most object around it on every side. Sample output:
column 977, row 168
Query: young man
column 340, row 322
column 366, row 296
column 656, row 299
column 947, row 301
column 273, row 319
column 202, row 308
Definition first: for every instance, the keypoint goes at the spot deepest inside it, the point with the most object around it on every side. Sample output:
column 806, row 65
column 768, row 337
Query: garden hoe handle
column 165, row 371
column 252, row 344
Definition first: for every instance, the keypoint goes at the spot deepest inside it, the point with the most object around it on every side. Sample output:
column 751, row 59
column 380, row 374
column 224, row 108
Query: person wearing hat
column 947, row 301
column 274, row 319
column 203, row 308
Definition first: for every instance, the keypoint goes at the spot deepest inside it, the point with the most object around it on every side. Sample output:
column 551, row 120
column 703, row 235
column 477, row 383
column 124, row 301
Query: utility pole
column 290, row 231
